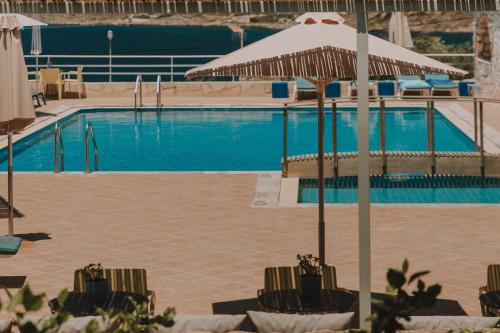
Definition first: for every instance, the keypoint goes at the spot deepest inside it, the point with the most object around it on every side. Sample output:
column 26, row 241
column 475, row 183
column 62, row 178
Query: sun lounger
column 412, row 83
column 442, row 82
column 492, row 284
column 121, row 279
column 9, row 244
column 304, row 89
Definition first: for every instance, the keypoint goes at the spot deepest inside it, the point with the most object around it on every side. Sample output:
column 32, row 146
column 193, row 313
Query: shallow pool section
column 406, row 190
column 218, row 139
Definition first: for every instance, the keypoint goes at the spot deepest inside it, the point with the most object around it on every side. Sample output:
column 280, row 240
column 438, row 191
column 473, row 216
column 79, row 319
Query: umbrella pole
column 10, row 185
column 320, row 85
column 363, row 167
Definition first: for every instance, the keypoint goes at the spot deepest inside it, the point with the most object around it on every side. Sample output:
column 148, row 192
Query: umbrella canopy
column 16, row 105
column 320, row 45
column 399, row 30
column 25, row 21
column 320, row 48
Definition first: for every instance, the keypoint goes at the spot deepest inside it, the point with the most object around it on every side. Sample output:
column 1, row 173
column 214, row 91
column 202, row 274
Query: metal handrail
column 138, row 89
column 168, row 65
column 90, row 130
column 58, row 153
column 158, row 91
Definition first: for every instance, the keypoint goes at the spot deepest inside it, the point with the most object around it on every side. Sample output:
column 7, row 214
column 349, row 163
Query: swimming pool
column 405, row 190
column 218, row 139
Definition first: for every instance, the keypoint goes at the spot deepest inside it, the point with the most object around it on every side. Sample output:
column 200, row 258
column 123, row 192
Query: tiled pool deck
column 202, row 242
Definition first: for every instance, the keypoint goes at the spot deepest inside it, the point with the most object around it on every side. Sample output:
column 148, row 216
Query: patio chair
column 412, row 83
column 304, row 89
column 283, row 278
column 51, row 76
column 492, row 284
column 441, row 82
column 75, row 77
column 121, row 279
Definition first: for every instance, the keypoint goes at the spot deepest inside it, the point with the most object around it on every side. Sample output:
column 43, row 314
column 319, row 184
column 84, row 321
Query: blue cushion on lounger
column 438, row 76
column 302, row 84
column 442, row 84
column 414, row 84
column 407, row 77
column 9, row 244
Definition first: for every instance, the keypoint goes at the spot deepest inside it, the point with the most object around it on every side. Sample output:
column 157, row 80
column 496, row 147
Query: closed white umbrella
column 399, row 30
column 319, row 48
column 36, row 44
column 16, row 105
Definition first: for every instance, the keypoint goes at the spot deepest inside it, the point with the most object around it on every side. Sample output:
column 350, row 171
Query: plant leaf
column 417, row 275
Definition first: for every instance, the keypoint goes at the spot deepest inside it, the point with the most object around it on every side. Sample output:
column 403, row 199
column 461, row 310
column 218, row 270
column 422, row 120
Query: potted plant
column 95, row 282
column 310, row 279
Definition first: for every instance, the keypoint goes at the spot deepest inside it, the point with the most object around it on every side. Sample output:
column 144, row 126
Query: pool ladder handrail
column 90, row 130
column 158, row 92
column 138, row 89
column 58, row 153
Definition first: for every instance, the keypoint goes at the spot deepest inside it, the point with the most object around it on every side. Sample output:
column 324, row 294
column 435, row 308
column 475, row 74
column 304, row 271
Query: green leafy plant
column 309, row 264
column 400, row 304
column 25, row 301
column 93, row 272
column 140, row 320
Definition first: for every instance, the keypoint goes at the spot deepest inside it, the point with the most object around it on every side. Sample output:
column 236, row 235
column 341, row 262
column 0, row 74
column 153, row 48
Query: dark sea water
column 154, row 40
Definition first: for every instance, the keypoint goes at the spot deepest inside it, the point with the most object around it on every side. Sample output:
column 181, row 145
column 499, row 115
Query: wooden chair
column 492, row 284
column 121, row 279
column 75, row 77
column 51, row 76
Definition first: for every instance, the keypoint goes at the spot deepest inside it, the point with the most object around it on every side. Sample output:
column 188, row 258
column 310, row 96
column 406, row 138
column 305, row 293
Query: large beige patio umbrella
column 399, row 30
column 16, row 104
column 319, row 48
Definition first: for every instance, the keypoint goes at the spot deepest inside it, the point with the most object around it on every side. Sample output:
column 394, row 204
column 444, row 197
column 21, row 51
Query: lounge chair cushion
column 442, row 84
column 428, row 323
column 437, row 76
column 407, row 77
column 205, row 323
column 413, row 84
column 73, row 324
column 294, row 323
column 304, row 85
column 9, row 244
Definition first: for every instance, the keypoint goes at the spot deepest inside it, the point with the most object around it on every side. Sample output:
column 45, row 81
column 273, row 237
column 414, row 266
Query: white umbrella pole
column 320, row 87
column 10, row 185
column 363, row 167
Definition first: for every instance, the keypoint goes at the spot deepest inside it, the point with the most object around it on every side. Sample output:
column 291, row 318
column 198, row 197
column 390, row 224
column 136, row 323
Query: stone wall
column 487, row 49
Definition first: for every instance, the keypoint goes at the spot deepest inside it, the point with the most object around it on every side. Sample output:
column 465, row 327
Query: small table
column 84, row 304
column 290, row 301
column 491, row 299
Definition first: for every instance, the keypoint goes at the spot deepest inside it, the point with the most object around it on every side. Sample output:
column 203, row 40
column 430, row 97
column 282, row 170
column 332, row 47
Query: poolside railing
column 173, row 68
column 478, row 115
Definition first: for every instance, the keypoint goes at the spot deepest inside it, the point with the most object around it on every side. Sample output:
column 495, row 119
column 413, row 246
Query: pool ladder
column 58, row 149
column 89, row 131
column 138, row 92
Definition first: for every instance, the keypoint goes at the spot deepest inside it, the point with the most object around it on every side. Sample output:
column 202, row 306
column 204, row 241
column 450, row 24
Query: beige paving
column 201, row 242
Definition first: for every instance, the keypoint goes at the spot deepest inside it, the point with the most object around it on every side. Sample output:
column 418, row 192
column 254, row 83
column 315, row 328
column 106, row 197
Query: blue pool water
column 218, row 140
column 404, row 190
